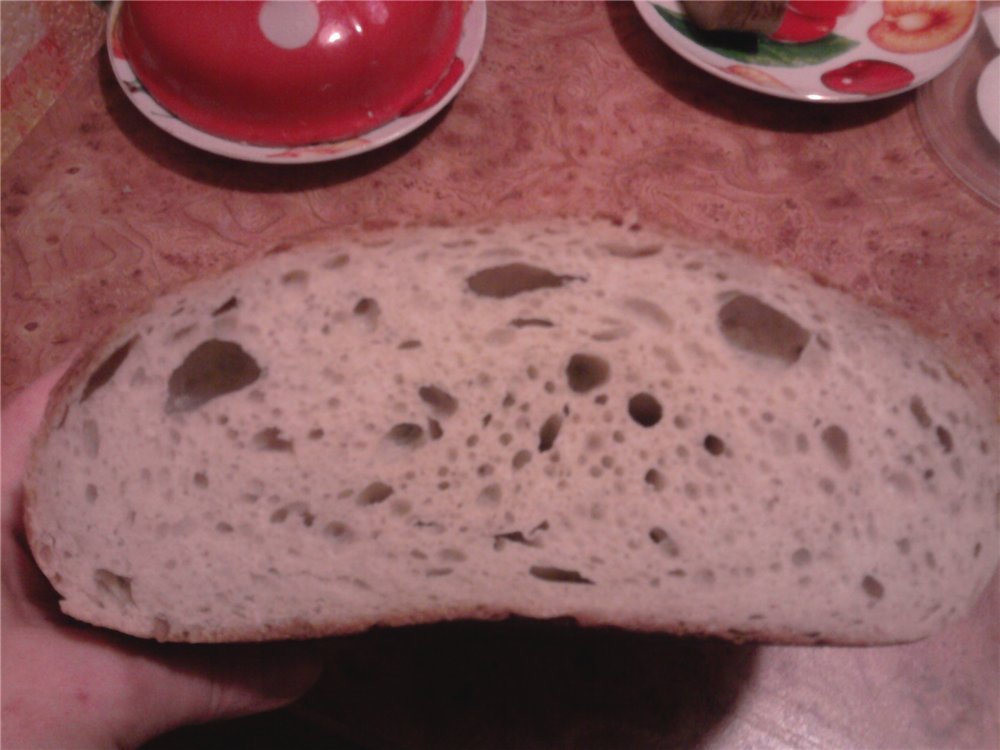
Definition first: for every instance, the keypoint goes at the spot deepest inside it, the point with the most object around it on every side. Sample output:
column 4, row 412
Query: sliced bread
column 561, row 420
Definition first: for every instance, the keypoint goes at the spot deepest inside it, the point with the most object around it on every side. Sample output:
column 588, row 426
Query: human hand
column 67, row 685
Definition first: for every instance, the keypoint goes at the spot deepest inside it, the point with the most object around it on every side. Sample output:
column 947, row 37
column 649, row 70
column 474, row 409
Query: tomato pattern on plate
column 827, row 50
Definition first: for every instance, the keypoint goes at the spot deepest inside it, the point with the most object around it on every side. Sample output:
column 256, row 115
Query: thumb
column 182, row 684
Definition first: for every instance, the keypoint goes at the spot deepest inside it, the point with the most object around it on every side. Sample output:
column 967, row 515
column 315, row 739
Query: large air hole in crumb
column 438, row 399
column 836, row 441
column 271, row 439
column 119, row 588
column 512, row 279
column 586, row 372
column 645, row 409
column 107, row 369
column 754, row 326
column 406, row 435
column 212, row 369
column 374, row 493
column 549, row 432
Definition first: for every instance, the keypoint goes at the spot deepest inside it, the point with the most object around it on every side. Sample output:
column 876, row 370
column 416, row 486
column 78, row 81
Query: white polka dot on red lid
column 289, row 24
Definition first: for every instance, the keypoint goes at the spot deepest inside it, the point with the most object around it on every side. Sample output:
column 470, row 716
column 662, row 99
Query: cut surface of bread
column 562, row 420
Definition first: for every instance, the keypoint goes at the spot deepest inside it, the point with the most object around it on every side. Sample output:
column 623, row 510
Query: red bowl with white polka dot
column 289, row 72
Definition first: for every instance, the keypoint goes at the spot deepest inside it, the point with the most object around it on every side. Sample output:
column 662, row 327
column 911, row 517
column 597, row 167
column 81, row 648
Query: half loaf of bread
column 569, row 420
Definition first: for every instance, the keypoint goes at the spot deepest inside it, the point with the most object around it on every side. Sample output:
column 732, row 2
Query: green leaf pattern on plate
column 768, row 52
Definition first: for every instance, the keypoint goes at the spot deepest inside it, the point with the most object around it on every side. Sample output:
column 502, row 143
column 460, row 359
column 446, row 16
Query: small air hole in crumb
column 836, row 441
column 337, row 531
column 374, row 493
column 714, row 445
column 450, row 554
column 367, row 307
column 944, row 438
column 271, row 439
column 919, row 412
column 705, row 577
column 489, row 495
column 662, row 539
column 557, row 575
column 655, row 479
column 91, row 438
column 296, row 277
column 873, row 587
column 549, row 432
column 406, row 434
column 201, row 479
column 438, row 399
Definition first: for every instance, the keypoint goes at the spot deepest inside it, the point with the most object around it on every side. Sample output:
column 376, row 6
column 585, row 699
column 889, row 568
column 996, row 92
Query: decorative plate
column 466, row 56
column 873, row 50
column 988, row 88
